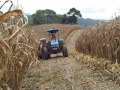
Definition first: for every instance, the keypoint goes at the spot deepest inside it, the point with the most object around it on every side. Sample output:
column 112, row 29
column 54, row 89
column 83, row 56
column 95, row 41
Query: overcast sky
column 95, row 9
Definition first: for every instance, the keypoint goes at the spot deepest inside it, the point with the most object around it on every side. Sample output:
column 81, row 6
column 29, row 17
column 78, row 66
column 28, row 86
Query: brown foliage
column 101, row 41
column 16, row 53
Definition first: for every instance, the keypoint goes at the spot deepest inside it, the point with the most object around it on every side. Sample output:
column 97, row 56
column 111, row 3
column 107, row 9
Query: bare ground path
column 59, row 73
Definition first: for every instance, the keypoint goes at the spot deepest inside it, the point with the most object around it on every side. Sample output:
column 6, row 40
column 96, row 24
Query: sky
column 94, row 9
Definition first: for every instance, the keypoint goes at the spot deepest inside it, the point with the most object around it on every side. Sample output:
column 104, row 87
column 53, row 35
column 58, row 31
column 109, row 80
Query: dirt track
column 59, row 73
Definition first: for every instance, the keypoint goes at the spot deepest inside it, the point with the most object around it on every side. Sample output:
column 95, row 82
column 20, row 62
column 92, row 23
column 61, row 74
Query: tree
column 72, row 15
column 64, row 19
column 46, row 16
column 38, row 17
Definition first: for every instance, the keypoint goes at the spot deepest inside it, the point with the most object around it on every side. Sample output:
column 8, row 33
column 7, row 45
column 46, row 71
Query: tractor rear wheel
column 45, row 54
column 39, row 54
column 65, row 51
column 48, row 55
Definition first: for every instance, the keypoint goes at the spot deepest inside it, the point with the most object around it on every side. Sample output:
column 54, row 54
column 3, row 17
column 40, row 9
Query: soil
column 67, row 73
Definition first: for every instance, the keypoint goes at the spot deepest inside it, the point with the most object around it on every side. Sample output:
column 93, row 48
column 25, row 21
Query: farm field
column 92, row 62
column 76, row 72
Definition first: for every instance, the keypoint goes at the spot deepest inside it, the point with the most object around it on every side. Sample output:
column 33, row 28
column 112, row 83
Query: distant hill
column 88, row 21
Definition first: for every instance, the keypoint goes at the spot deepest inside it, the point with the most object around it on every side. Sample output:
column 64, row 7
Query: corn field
column 18, row 45
column 16, row 52
column 102, row 41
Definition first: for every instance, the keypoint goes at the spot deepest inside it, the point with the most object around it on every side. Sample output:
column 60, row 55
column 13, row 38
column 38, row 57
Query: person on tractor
column 53, row 36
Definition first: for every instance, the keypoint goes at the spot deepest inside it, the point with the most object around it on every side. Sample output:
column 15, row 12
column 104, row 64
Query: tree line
column 48, row 16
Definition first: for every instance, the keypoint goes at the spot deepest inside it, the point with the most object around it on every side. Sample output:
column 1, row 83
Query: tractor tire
column 48, row 55
column 65, row 51
column 61, row 42
column 39, row 54
column 45, row 55
column 48, row 45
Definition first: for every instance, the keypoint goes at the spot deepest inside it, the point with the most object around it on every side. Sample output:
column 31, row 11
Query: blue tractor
column 53, row 46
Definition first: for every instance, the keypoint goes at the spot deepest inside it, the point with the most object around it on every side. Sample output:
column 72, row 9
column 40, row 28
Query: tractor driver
column 53, row 36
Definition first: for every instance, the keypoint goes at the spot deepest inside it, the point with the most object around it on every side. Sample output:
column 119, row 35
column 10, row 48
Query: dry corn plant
column 101, row 41
column 16, row 52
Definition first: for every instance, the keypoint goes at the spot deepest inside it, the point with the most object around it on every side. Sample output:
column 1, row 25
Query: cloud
column 103, row 9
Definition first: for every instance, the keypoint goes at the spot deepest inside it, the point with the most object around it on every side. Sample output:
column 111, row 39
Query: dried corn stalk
column 15, row 51
column 101, row 41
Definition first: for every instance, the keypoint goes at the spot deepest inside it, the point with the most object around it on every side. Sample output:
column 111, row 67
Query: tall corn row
column 101, row 41
column 16, row 52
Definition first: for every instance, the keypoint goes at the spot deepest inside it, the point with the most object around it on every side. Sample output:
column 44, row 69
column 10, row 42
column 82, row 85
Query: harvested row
column 102, row 41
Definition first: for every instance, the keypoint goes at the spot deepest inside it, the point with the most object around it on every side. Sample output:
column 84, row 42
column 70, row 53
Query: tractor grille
column 54, row 43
